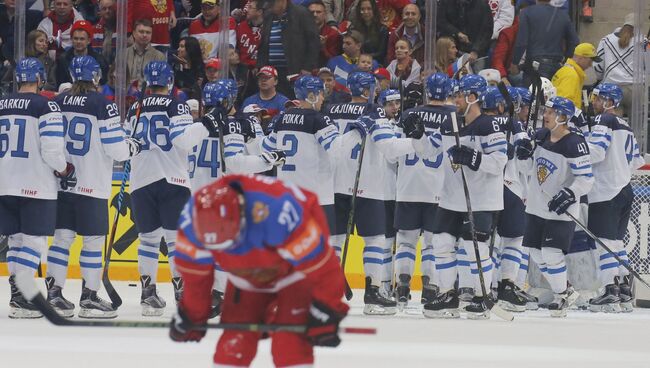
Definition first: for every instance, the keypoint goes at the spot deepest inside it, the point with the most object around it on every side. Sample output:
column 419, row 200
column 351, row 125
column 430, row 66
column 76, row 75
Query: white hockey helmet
column 547, row 87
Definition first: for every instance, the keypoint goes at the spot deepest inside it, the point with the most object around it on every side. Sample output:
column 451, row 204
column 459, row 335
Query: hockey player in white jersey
column 483, row 151
column 369, row 218
column 614, row 154
column 94, row 137
column 419, row 182
column 31, row 157
column 561, row 173
column 160, row 183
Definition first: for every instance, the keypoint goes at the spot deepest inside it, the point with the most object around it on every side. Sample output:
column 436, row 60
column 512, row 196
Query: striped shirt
column 277, row 57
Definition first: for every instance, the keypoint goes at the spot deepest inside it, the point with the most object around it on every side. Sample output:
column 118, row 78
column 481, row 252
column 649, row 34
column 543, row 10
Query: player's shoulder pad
column 486, row 125
column 572, row 145
column 177, row 107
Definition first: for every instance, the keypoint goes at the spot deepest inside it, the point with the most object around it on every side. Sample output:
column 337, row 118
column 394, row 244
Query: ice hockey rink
column 584, row 339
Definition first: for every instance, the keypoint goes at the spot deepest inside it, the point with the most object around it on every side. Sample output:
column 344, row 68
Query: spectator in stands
column 82, row 33
column 212, row 69
column 37, row 47
column 330, row 38
column 503, row 14
column 502, row 53
column 289, row 38
column 546, row 36
column 162, row 16
column 375, row 35
column 617, row 53
column 469, row 22
column 383, row 76
column 404, row 69
column 410, row 29
column 570, row 78
column 365, row 63
column 334, row 92
column 207, row 29
column 105, row 35
column 335, row 11
column 189, row 70
column 141, row 52
column 344, row 64
column 240, row 73
column 249, row 33
column 389, row 12
column 57, row 26
column 268, row 97
column 7, row 12
column 446, row 55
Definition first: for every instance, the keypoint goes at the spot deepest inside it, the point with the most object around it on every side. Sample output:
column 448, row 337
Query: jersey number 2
column 289, row 141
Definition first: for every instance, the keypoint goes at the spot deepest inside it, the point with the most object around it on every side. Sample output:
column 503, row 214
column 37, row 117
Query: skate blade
column 22, row 313
column 532, row 306
column 478, row 316
column 605, row 308
column 65, row 313
column 401, row 306
column 148, row 311
column 378, row 310
column 572, row 298
column 627, row 307
column 442, row 314
column 96, row 314
column 558, row 313
column 511, row 307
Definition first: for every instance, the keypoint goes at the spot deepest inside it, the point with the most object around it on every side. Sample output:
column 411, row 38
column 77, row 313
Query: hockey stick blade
column 348, row 291
column 498, row 311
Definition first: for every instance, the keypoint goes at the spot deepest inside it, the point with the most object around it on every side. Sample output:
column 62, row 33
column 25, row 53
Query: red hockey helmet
column 218, row 215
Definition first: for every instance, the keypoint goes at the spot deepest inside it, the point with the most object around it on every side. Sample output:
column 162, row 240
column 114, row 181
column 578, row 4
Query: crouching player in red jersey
column 272, row 239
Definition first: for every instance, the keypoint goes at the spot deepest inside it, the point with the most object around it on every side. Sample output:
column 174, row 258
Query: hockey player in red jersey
column 272, row 239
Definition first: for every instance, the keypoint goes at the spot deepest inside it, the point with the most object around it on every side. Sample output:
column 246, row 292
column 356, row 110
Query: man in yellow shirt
column 570, row 78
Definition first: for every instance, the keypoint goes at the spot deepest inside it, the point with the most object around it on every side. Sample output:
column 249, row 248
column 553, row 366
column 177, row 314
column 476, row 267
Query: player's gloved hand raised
column 250, row 131
column 275, row 158
column 524, row 149
column 181, row 328
column 362, row 125
column 413, row 126
column 562, row 201
column 68, row 177
column 323, row 325
column 134, row 146
column 466, row 156
column 213, row 120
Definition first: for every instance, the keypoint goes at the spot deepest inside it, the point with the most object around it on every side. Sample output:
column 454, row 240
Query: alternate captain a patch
column 544, row 169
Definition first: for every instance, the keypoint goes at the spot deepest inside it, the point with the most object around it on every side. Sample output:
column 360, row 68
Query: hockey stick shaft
column 470, row 217
column 116, row 300
column 602, row 244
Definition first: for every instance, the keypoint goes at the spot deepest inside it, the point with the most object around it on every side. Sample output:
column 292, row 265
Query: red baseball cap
column 382, row 73
column 213, row 63
column 83, row 25
column 268, row 71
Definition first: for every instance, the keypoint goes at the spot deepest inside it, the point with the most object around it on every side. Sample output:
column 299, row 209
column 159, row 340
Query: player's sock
column 445, row 260
column 387, row 266
column 14, row 243
column 29, row 256
column 337, row 242
column 522, row 273
column 405, row 255
column 608, row 265
column 90, row 261
column 496, row 262
column 622, row 254
column 170, row 240
column 555, row 274
column 148, row 253
column 373, row 258
column 428, row 240
column 58, row 254
column 510, row 258
column 486, row 264
column 464, row 275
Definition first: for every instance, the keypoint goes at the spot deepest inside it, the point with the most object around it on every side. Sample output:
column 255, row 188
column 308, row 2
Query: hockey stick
column 350, row 225
column 110, row 290
column 457, row 74
column 602, row 244
column 538, row 96
column 500, row 312
column 29, row 290
column 222, row 149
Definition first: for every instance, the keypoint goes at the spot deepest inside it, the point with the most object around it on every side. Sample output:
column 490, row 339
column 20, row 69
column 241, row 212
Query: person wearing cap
column 268, row 97
column 194, row 108
column 58, row 24
column 383, row 76
column 81, row 33
column 617, row 53
column 491, row 76
column 334, row 92
column 213, row 69
column 207, row 29
column 570, row 78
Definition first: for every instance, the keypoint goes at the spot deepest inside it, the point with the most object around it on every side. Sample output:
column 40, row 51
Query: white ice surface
column 583, row 339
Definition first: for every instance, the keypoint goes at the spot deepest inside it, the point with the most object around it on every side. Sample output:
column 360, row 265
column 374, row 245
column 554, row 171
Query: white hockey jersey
column 614, row 154
column 554, row 166
column 31, row 146
column 167, row 133
column 513, row 178
column 94, row 137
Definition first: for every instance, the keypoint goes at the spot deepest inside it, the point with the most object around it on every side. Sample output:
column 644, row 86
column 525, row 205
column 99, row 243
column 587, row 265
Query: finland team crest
column 544, row 169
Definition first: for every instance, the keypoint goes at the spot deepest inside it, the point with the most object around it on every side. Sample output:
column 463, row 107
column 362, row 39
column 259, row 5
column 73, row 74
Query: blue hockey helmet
column 389, row 95
column 515, row 96
column 525, row 95
column 214, row 93
column 453, row 86
column 491, row 98
column 306, row 85
column 609, row 91
column 85, row 68
column 159, row 73
column 472, row 83
column 562, row 106
column 28, row 70
column 358, row 81
column 232, row 86
column 438, row 86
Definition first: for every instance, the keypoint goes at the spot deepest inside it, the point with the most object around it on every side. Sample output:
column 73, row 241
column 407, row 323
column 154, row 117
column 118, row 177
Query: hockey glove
column 562, row 201
column 466, row 156
column 134, row 146
column 248, row 128
column 213, row 120
column 68, row 177
column 524, row 149
column 362, row 125
column 413, row 126
column 275, row 158
column 323, row 325
column 181, row 328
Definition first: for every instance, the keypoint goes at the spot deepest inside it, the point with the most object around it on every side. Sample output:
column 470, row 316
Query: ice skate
column 558, row 307
column 376, row 304
column 477, row 309
column 92, row 306
column 429, row 291
column 465, row 295
column 177, row 282
column 152, row 304
column 403, row 291
column 627, row 297
column 608, row 302
column 217, row 300
column 443, row 305
column 508, row 298
column 19, row 307
column 532, row 303
column 61, row 305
